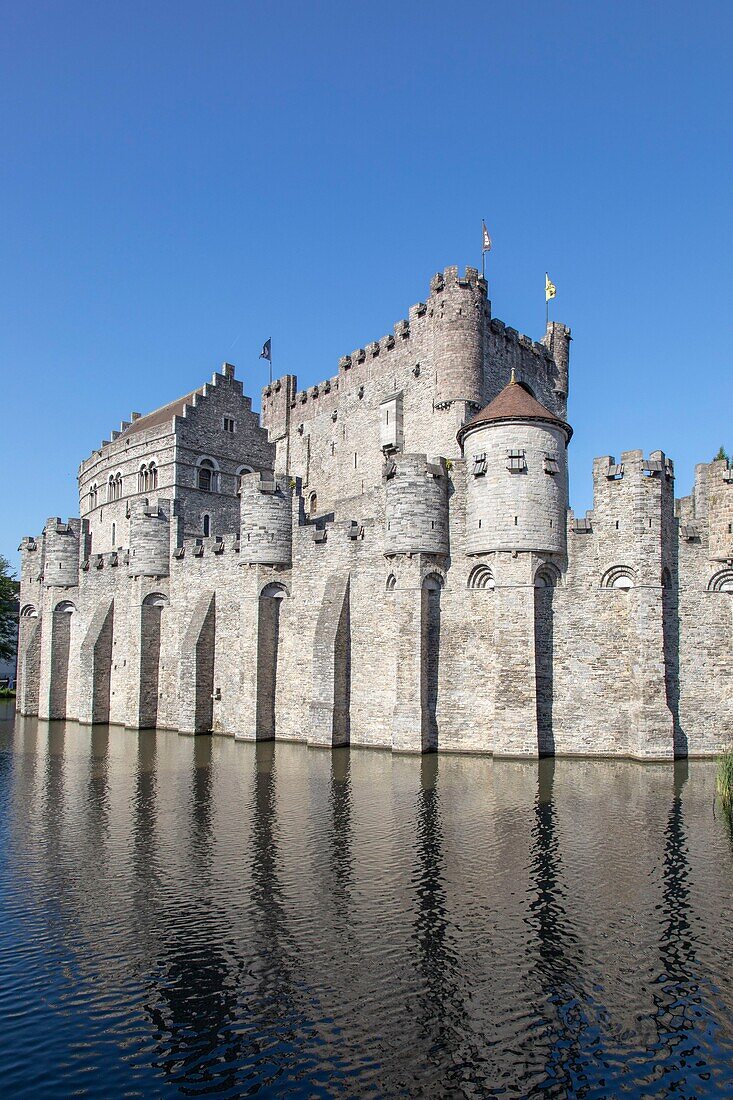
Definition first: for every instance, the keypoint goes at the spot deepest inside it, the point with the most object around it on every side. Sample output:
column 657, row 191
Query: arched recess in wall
column 482, row 577
column 671, row 651
column 207, row 474
column 29, row 659
column 268, row 645
column 241, row 472
column 432, row 586
column 721, row 581
column 547, row 576
column 391, row 583
column 151, row 631
column 622, row 577
column 546, row 581
column 61, row 626
column 313, row 504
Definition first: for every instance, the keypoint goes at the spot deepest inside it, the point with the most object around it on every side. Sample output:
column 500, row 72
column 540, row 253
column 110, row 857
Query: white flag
column 486, row 246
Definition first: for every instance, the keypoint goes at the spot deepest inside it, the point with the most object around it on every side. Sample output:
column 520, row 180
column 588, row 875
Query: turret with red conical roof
column 516, row 454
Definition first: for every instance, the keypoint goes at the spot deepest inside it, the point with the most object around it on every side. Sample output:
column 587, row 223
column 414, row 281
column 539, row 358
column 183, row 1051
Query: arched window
column 155, row 599
column 29, row 612
column 242, row 472
column 114, row 487
column 93, row 496
column 618, row 576
column 207, row 476
column 547, row 576
column 64, row 608
column 152, row 476
column 114, row 535
column 481, row 577
column 275, row 591
column 391, row 583
column 142, row 479
column 207, row 526
column 433, row 582
column 313, row 504
column 722, row 581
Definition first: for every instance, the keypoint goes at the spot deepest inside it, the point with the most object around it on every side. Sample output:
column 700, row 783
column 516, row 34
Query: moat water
column 196, row 917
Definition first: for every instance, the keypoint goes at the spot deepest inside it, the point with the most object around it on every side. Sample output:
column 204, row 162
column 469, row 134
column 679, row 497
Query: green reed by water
column 724, row 780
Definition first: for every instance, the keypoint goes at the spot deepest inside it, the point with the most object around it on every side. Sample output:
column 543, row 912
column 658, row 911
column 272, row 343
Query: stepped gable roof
column 514, row 403
column 162, row 415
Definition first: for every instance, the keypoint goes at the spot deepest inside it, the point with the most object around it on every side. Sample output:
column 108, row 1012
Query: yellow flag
column 550, row 290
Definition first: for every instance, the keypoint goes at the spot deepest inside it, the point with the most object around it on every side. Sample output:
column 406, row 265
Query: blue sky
column 182, row 180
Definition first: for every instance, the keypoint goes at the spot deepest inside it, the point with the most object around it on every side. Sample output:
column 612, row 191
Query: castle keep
column 388, row 559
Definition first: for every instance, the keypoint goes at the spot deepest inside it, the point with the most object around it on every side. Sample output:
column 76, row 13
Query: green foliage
column 724, row 780
column 722, row 454
column 8, row 611
column 6, row 693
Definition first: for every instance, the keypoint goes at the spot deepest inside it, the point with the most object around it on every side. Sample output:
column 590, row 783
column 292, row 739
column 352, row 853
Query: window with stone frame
column 206, row 476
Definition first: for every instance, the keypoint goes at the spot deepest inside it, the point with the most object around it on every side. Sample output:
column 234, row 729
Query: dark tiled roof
column 162, row 415
column 514, row 403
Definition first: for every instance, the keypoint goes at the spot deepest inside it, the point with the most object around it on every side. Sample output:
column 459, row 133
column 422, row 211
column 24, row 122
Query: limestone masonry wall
column 341, row 569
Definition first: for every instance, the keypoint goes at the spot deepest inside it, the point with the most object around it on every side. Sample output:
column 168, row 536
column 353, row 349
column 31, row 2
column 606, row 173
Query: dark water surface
column 198, row 917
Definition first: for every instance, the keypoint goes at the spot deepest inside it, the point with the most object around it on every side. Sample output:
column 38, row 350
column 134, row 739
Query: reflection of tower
column 681, row 1015
column 341, row 834
column 196, row 1008
column 441, row 1008
column 273, row 995
column 558, row 964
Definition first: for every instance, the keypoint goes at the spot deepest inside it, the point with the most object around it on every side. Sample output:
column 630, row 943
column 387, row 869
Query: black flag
column 266, row 352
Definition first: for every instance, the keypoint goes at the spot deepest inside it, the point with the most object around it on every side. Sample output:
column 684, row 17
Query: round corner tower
column 266, row 536
column 150, row 538
column 416, row 512
column 516, row 465
column 458, row 311
column 61, row 553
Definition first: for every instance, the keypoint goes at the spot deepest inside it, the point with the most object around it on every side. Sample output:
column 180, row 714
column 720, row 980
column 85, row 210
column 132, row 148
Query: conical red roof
column 513, row 403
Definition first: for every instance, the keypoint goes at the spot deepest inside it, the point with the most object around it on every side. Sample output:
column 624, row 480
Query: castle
column 388, row 559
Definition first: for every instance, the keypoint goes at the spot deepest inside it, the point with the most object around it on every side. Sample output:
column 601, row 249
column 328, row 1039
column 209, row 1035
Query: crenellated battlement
column 708, row 511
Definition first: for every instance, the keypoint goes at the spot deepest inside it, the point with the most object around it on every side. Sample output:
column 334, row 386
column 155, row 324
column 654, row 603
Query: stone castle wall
column 367, row 580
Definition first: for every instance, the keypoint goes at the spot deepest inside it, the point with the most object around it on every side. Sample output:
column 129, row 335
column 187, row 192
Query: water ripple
column 193, row 917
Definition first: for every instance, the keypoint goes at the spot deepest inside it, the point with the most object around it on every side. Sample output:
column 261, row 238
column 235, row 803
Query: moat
column 192, row 916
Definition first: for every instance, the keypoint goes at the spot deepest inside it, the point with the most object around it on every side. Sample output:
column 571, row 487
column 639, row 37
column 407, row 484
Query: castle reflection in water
column 219, row 917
